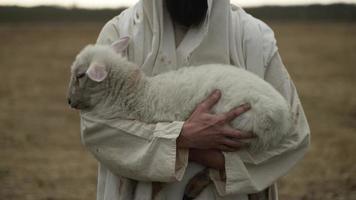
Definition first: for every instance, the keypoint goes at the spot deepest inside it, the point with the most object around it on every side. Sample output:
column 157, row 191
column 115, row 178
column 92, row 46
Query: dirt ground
column 42, row 157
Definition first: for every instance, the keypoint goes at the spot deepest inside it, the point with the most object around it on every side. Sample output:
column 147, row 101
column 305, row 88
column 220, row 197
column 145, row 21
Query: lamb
column 105, row 84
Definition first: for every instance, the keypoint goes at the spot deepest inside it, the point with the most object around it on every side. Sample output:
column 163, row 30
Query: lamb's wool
column 172, row 96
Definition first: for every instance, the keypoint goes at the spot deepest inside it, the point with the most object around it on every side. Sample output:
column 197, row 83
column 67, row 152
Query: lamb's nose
column 69, row 101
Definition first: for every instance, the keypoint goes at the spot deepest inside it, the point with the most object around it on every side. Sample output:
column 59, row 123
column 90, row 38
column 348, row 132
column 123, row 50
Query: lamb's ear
column 120, row 45
column 97, row 72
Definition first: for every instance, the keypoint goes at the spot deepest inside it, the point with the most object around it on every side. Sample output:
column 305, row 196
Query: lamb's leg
column 197, row 184
column 156, row 188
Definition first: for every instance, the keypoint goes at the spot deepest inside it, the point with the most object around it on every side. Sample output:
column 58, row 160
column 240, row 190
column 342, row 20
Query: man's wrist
column 209, row 158
column 182, row 140
column 192, row 155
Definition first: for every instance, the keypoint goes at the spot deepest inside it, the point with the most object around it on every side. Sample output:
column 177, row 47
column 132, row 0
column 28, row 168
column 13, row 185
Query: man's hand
column 204, row 130
column 208, row 157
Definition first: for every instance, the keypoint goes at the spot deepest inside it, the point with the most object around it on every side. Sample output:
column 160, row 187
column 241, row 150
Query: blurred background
column 41, row 155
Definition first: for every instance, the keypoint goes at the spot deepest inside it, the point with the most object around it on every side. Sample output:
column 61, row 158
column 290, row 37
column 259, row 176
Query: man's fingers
column 210, row 101
column 232, row 114
column 236, row 134
column 226, row 148
column 237, row 145
column 247, row 135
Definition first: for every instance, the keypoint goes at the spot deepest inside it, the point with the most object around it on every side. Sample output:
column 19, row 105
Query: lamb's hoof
column 196, row 185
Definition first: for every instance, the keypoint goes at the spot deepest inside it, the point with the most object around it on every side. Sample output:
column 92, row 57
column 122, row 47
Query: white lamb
column 106, row 84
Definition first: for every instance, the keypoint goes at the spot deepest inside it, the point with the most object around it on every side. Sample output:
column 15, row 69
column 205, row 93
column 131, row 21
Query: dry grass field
column 41, row 154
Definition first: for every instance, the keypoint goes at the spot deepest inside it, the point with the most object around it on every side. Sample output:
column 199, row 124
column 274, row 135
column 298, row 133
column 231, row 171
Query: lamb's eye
column 81, row 75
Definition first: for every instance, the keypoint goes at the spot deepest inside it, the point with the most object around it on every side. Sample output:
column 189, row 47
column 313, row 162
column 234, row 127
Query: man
column 167, row 34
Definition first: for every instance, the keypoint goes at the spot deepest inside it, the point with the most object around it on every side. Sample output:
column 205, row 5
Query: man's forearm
column 209, row 158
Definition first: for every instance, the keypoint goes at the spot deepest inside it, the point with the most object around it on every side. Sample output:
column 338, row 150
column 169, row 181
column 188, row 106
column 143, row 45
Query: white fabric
column 147, row 152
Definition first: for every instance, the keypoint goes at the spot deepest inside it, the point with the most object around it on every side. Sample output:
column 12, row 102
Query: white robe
column 147, row 152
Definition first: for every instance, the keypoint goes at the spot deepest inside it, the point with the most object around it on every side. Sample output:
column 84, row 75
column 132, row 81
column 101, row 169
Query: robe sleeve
column 246, row 173
column 130, row 148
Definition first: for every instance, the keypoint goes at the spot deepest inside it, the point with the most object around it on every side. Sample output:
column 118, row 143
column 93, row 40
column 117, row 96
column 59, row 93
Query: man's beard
column 187, row 12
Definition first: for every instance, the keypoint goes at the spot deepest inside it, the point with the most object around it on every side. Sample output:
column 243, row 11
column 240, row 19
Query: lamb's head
column 90, row 73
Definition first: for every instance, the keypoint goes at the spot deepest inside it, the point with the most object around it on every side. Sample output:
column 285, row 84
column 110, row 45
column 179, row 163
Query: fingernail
column 216, row 92
column 247, row 106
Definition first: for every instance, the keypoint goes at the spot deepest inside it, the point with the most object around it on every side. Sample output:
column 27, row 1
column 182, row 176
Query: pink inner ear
column 121, row 45
column 97, row 72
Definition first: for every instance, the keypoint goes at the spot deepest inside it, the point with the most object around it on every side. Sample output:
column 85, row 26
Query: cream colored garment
column 147, row 152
